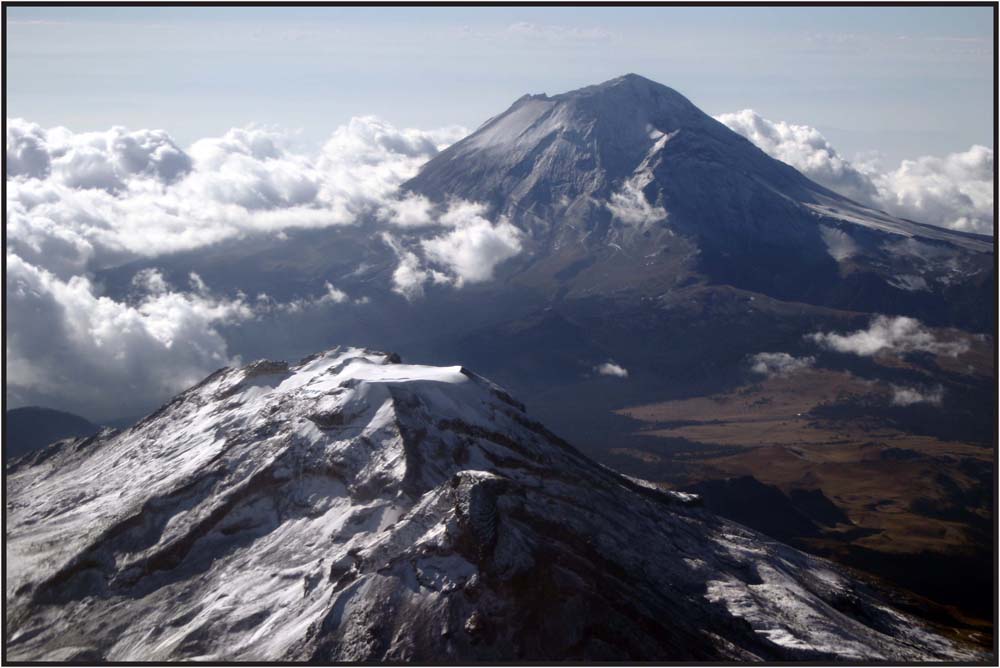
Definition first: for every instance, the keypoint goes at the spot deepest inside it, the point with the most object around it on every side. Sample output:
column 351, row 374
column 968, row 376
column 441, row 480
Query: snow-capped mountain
column 552, row 159
column 623, row 190
column 627, row 185
column 351, row 507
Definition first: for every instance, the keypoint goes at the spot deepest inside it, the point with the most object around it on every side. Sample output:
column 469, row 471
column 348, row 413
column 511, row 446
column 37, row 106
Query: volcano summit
column 354, row 508
column 631, row 174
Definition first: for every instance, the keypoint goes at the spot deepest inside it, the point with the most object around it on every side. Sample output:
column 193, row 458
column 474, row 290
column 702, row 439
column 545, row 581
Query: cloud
column 250, row 168
column 609, row 368
column 889, row 335
column 100, row 160
column 151, row 281
column 779, row 364
column 630, row 205
column 473, row 249
column 908, row 396
column 954, row 191
column 331, row 295
column 366, row 160
column 68, row 345
column 410, row 275
column 804, row 148
column 839, row 244
column 79, row 202
column 26, row 153
column 410, row 211
column 469, row 252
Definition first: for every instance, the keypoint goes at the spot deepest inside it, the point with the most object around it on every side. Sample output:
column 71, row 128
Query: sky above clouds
column 133, row 133
column 904, row 81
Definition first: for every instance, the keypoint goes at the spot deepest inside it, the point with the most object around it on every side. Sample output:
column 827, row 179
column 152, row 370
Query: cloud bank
column 81, row 202
column 64, row 340
column 91, row 200
column 954, row 191
column 67, row 342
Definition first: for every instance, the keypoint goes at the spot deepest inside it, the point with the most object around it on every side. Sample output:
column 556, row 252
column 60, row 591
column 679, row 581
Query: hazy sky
column 907, row 81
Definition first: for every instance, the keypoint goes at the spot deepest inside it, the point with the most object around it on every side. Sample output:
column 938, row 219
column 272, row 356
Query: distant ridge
column 33, row 427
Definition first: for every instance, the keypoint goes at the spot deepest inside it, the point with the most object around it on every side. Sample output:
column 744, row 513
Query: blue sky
column 906, row 81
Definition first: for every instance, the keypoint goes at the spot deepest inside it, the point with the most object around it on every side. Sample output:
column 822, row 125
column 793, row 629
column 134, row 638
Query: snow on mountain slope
column 577, row 150
column 628, row 186
column 352, row 507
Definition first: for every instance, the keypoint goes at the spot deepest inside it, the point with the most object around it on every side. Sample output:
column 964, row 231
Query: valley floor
column 821, row 460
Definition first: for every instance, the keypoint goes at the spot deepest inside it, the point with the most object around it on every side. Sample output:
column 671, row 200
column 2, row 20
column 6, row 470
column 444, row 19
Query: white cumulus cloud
column 803, row 147
column 26, row 151
column 78, row 203
column 101, row 160
column 81, row 202
column 473, row 249
column 609, row 368
column 263, row 303
column 409, row 211
column 779, row 364
column 468, row 252
column 69, row 345
column 954, row 191
column 84, row 201
column 410, row 275
column 891, row 335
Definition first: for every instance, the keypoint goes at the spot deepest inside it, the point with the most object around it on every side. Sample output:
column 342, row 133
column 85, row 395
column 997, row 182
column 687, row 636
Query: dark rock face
column 432, row 521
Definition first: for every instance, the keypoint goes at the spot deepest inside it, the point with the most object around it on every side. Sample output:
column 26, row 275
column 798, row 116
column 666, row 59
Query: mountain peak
column 354, row 508
column 630, row 77
column 579, row 147
column 633, row 94
column 632, row 80
column 602, row 176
